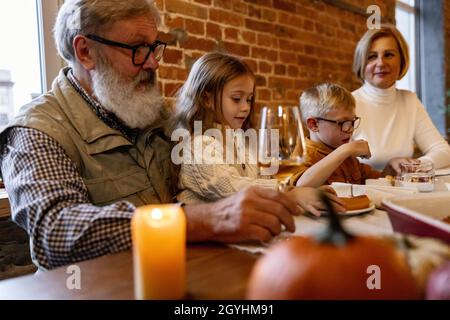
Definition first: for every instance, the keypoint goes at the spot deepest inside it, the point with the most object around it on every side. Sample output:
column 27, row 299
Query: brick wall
column 290, row 44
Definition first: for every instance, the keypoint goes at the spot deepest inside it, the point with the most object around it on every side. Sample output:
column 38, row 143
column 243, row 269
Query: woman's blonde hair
column 364, row 44
column 206, row 80
column 92, row 16
column 322, row 98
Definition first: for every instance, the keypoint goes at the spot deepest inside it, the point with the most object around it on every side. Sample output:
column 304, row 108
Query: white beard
column 138, row 105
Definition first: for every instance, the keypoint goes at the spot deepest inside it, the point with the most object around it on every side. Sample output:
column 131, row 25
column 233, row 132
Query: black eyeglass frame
column 152, row 46
column 341, row 123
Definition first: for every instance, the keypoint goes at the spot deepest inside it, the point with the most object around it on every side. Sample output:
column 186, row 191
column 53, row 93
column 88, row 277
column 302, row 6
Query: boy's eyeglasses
column 346, row 126
column 141, row 52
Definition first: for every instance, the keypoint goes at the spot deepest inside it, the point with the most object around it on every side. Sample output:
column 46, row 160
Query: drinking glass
column 281, row 143
column 419, row 175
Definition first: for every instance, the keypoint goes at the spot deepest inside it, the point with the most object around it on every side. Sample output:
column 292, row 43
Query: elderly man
column 78, row 160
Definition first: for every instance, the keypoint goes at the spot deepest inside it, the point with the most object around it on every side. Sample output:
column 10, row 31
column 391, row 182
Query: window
column 3, row 119
column 27, row 45
column 5, row 92
column 405, row 18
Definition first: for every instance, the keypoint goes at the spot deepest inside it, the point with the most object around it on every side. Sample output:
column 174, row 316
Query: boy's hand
column 358, row 148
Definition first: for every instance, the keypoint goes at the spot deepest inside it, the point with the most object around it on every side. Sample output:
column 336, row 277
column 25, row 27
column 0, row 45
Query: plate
column 348, row 213
column 353, row 212
column 442, row 172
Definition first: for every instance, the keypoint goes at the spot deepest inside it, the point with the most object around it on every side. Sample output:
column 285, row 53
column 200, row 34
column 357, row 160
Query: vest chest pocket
column 117, row 187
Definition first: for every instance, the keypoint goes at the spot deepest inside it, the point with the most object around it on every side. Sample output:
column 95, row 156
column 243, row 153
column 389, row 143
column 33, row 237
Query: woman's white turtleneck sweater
column 392, row 121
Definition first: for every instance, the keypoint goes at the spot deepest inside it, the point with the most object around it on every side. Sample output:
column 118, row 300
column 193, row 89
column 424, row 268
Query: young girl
column 219, row 94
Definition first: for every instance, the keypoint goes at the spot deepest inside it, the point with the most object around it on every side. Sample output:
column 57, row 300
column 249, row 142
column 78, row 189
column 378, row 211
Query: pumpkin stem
column 334, row 233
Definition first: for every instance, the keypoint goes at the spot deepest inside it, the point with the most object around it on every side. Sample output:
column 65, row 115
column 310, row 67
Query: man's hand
column 252, row 214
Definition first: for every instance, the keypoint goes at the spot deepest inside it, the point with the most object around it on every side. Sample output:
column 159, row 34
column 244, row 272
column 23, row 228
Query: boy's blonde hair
column 364, row 44
column 321, row 99
column 208, row 76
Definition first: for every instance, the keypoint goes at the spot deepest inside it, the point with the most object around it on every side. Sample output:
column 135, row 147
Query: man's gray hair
column 91, row 16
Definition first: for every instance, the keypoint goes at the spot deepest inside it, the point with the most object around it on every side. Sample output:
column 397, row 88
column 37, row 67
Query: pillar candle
column 159, row 252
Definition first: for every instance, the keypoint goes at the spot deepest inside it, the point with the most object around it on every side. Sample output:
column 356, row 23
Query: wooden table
column 4, row 204
column 214, row 271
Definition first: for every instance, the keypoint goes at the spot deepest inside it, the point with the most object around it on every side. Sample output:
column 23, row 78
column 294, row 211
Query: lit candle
column 159, row 252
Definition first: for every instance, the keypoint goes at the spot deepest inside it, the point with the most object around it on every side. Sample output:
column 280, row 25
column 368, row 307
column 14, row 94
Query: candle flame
column 157, row 214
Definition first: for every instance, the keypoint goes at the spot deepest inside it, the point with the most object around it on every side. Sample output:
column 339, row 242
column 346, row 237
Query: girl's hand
column 332, row 195
column 308, row 199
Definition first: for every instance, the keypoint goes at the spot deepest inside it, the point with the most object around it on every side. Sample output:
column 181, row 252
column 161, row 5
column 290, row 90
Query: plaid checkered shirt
column 50, row 200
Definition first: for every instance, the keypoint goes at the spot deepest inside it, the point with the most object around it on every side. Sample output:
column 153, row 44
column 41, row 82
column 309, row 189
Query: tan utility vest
column 112, row 167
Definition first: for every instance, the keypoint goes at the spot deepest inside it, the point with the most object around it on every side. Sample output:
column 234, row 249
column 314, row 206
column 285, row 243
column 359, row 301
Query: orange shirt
column 350, row 171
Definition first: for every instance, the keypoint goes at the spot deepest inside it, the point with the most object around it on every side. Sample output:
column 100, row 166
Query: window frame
column 50, row 61
column 413, row 43
column 405, row 6
column 431, row 64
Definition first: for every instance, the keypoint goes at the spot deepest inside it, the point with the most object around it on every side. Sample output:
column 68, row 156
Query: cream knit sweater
column 213, row 179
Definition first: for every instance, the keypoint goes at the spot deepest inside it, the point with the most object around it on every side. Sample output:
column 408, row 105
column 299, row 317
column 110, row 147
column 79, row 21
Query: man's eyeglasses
column 141, row 52
column 346, row 126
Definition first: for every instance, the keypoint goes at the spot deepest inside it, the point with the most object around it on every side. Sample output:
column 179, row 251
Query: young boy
column 328, row 111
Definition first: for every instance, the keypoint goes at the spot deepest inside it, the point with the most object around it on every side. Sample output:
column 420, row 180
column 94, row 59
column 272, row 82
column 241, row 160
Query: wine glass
column 281, row 143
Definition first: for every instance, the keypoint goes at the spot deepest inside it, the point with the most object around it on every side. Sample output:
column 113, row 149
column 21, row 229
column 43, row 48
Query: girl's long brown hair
column 208, row 76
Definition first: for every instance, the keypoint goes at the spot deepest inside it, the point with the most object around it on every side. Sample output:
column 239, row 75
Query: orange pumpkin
column 333, row 265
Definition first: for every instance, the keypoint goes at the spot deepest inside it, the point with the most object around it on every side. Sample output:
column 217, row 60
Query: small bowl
column 420, row 214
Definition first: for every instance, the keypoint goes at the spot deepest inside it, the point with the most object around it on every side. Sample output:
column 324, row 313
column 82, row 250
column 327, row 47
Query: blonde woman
column 394, row 120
